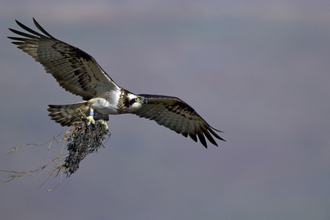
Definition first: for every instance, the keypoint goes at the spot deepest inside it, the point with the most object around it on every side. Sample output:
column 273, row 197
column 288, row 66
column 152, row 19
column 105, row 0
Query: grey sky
column 258, row 70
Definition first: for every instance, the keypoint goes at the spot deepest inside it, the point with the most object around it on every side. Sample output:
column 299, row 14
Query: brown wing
column 178, row 116
column 75, row 70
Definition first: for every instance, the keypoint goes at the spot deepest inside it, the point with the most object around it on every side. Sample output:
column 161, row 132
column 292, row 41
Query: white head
column 133, row 102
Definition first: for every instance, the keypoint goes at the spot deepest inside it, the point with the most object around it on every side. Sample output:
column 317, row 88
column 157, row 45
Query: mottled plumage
column 79, row 73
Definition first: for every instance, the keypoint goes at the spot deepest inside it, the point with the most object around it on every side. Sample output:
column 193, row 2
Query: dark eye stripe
column 132, row 101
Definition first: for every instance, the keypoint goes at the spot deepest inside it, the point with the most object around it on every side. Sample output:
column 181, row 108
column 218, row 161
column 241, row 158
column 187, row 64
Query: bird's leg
column 90, row 118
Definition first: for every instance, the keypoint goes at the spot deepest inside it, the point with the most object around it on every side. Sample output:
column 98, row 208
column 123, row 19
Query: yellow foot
column 90, row 120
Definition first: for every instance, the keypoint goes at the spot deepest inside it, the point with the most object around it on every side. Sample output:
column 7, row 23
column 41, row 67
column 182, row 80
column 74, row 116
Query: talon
column 90, row 120
column 104, row 124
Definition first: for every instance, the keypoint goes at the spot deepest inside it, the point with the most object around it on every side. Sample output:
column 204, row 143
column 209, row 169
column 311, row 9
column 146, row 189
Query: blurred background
column 258, row 70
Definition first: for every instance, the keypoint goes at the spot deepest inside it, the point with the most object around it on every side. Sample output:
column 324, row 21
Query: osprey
column 79, row 73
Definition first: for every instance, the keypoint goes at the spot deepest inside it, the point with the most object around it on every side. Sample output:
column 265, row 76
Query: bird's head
column 134, row 102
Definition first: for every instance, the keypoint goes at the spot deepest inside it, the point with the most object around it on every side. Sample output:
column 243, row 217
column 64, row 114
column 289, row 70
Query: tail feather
column 67, row 114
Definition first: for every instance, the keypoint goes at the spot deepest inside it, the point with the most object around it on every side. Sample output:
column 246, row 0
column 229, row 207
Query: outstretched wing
column 178, row 116
column 75, row 70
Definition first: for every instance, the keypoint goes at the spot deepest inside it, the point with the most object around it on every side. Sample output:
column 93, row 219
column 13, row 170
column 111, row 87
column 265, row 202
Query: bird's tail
column 67, row 114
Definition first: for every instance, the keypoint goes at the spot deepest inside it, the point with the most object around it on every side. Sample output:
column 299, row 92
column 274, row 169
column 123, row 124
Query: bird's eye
column 137, row 99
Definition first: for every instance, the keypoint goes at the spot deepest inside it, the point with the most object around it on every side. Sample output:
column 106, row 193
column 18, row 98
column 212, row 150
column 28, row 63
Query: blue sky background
column 258, row 70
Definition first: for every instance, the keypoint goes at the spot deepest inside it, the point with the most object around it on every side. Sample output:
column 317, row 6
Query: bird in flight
column 79, row 73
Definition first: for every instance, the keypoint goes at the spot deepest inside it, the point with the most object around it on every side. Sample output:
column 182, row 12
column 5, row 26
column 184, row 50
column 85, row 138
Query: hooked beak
column 144, row 101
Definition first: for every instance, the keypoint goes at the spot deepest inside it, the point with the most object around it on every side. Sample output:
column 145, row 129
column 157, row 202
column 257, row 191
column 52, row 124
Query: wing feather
column 178, row 116
column 75, row 70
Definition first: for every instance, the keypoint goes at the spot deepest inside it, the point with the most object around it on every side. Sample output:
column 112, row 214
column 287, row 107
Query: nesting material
column 80, row 140
column 83, row 139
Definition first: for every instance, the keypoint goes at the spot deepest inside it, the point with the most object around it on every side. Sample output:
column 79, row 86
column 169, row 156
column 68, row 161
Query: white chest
column 106, row 103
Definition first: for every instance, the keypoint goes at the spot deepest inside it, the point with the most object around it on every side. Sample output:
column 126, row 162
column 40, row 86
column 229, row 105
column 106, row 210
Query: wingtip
column 35, row 22
column 19, row 23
